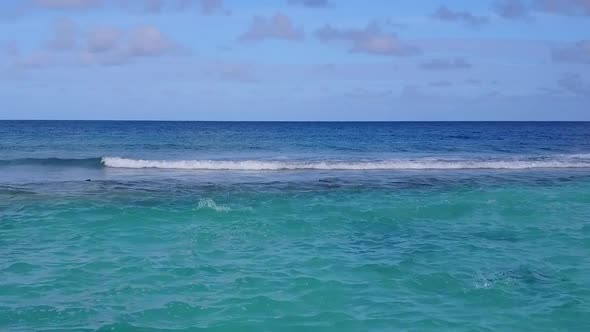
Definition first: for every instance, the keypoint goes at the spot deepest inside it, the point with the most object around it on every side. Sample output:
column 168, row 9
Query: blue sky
column 295, row 59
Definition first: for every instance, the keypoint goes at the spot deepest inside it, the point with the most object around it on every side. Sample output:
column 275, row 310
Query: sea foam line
column 260, row 165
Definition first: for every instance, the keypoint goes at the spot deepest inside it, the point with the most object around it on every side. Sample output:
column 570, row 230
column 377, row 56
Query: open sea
column 263, row 226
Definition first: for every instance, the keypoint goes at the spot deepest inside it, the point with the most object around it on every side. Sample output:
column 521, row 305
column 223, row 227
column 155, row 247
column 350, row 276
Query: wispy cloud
column 205, row 7
column 441, row 84
column 371, row 40
column 10, row 48
column 575, row 53
column 68, row 4
column 64, row 37
column 103, row 39
column 444, row 13
column 519, row 9
column 111, row 46
column 278, row 26
column 564, row 7
column 209, row 7
column 445, row 64
column 311, row 3
column 232, row 72
column 154, row 6
column 42, row 59
column 574, row 84
column 511, row 9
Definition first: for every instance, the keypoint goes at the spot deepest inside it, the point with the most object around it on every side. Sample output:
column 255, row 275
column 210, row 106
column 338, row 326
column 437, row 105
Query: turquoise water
column 472, row 247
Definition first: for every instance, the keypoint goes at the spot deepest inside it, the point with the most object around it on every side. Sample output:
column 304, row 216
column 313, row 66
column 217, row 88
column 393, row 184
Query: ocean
column 294, row 226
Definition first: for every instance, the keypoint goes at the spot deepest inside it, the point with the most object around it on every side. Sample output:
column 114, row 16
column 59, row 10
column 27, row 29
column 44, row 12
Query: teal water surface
column 151, row 249
column 227, row 258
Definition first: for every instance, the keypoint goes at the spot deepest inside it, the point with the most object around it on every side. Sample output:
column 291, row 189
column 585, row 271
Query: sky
column 308, row 60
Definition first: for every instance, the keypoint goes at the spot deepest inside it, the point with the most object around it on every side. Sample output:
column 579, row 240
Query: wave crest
column 262, row 165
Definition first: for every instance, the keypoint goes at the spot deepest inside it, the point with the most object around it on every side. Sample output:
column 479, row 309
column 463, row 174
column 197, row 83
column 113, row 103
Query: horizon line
column 283, row 121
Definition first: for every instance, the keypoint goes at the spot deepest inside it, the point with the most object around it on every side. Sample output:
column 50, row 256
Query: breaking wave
column 563, row 161
column 400, row 164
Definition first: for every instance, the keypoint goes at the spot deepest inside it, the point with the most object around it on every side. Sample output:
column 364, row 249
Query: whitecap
column 395, row 164
column 210, row 204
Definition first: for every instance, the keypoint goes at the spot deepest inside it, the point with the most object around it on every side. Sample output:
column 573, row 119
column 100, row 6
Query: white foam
column 210, row 204
column 259, row 165
column 579, row 156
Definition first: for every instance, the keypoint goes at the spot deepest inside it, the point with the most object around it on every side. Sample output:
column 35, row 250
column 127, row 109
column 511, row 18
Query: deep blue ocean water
column 264, row 226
